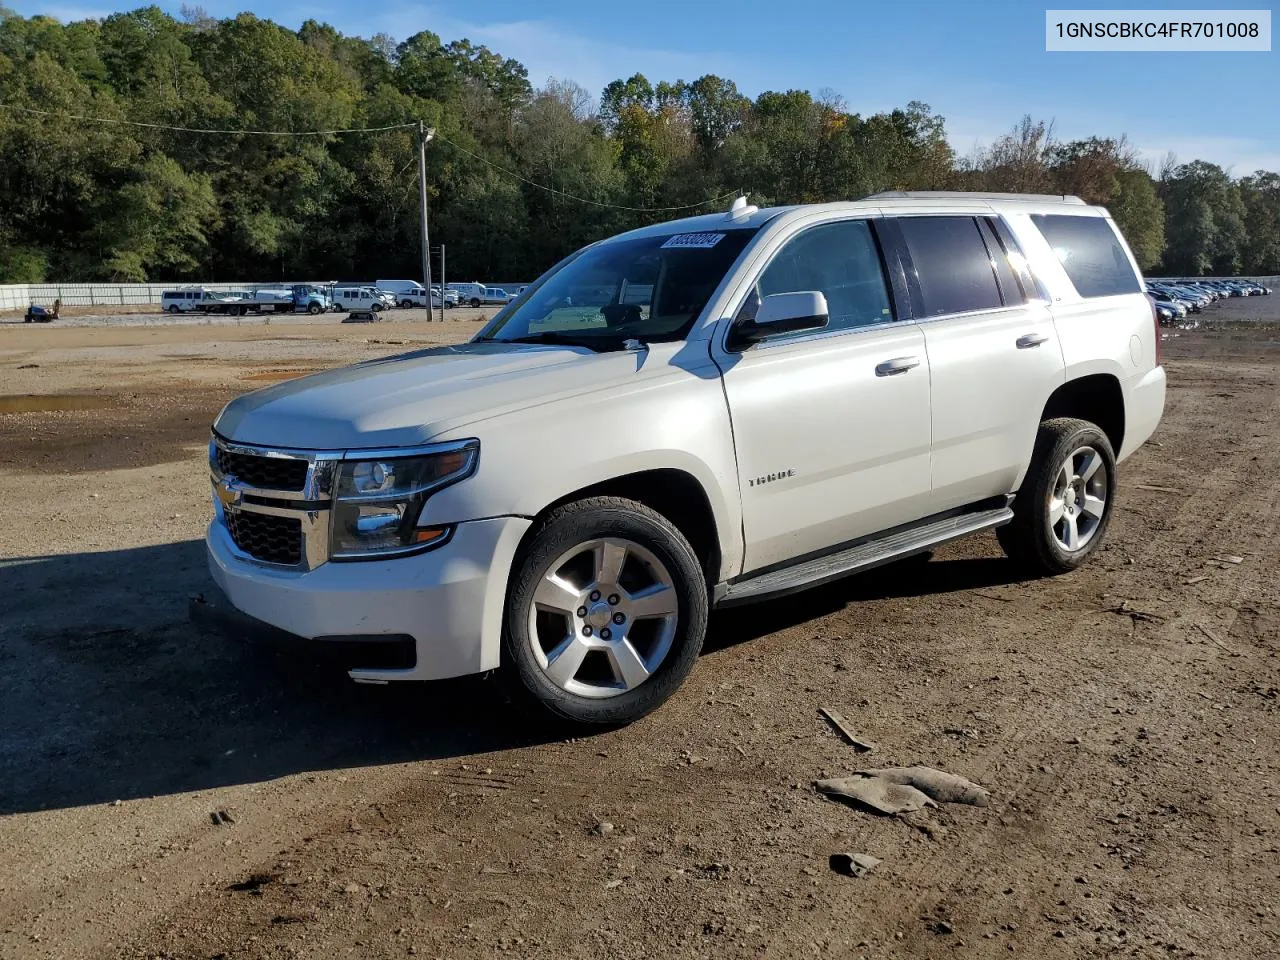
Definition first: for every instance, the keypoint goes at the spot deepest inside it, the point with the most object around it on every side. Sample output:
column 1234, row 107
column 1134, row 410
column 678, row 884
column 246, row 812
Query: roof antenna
column 741, row 209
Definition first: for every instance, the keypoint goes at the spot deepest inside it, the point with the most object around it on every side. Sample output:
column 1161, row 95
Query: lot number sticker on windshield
column 693, row 241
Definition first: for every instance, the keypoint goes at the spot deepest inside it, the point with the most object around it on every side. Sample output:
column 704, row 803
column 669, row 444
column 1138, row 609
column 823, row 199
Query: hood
column 412, row 398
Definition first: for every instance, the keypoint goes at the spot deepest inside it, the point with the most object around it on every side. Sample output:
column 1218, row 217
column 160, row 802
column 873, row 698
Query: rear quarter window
column 1090, row 253
column 952, row 264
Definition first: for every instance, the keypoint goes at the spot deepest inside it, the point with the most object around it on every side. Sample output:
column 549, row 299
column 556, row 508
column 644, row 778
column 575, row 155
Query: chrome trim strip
column 393, row 453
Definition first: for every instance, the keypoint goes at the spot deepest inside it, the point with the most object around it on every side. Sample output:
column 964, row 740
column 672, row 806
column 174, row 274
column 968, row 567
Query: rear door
column 994, row 355
column 831, row 427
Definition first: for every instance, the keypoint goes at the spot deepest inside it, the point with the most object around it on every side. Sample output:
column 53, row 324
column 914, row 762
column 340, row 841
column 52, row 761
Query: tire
column 337, row 308
column 406, row 304
column 173, row 308
column 375, row 307
column 1067, row 496
column 314, row 309
column 620, row 563
column 475, row 301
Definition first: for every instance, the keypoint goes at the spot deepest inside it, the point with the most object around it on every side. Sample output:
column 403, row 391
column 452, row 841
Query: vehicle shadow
column 918, row 576
column 108, row 692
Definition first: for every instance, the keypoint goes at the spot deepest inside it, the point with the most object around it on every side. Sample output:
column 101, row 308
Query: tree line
column 84, row 200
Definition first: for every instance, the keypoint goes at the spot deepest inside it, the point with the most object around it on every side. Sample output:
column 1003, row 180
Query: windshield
column 647, row 289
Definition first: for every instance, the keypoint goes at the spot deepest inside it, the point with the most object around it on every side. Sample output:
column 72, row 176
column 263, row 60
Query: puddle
column 274, row 376
column 41, row 402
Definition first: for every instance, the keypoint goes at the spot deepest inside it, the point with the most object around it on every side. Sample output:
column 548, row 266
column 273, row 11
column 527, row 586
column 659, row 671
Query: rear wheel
column 606, row 612
column 475, row 301
column 1064, row 506
column 406, row 304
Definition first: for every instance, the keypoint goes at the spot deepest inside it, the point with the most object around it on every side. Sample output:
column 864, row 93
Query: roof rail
column 966, row 195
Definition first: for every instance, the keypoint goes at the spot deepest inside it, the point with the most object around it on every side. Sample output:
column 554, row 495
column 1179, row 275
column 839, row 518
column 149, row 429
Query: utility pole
column 425, row 134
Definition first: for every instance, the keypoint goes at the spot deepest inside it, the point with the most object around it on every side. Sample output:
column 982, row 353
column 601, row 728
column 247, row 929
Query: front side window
column 649, row 288
column 1090, row 253
column 952, row 265
column 839, row 259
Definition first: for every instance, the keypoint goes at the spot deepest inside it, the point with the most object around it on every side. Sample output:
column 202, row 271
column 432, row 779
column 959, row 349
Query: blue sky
column 980, row 63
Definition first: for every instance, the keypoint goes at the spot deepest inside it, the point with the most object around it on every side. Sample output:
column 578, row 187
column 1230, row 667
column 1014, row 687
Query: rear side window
column 1091, row 254
column 951, row 263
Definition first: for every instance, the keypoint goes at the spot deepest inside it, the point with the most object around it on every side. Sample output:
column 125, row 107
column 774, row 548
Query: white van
column 182, row 301
column 356, row 298
column 472, row 293
column 409, row 293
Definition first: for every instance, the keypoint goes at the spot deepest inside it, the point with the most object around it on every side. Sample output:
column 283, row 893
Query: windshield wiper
column 596, row 342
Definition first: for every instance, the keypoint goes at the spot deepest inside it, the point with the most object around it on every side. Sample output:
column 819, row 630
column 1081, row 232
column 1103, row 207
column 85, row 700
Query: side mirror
column 785, row 313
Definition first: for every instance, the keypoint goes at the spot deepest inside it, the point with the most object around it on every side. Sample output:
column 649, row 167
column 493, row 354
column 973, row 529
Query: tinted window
column 1088, row 250
column 951, row 263
column 841, row 260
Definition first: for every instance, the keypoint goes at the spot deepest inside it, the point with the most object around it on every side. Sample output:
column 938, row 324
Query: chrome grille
column 265, row 473
column 266, row 537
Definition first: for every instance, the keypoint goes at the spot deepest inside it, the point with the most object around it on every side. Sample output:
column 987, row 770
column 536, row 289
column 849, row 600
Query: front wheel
column 315, row 309
column 606, row 612
column 1064, row 505
column 376, row 307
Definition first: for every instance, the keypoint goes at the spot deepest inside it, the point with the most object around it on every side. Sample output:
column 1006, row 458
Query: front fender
column 534, row 457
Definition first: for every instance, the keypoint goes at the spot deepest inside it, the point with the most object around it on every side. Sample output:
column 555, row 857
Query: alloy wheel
column 1078, row 502
column 603, row 617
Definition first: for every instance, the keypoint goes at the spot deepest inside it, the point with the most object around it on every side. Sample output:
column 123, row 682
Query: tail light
column 1155, row 325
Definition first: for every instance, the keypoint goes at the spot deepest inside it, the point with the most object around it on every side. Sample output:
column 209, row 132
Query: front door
column 831, row 427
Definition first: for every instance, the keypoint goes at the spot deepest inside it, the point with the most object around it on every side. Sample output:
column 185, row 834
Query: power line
column 393, row 126
column 570, row 196
column 176, row 129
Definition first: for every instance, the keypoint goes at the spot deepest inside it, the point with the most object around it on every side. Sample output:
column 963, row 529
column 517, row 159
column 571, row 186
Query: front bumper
column 449, row 600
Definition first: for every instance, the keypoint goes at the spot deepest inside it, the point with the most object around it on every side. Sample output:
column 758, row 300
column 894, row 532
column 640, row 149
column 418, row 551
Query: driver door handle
column 1031, row 340
column 897, row 365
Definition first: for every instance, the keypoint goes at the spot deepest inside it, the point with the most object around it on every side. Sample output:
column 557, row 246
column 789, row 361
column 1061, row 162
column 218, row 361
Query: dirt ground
column 1123, row 717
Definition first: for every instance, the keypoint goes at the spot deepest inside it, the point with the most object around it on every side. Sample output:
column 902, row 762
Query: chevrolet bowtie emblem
column 228, row 492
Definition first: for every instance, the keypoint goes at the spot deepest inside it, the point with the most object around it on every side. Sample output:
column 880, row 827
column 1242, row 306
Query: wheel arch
column 673, row 492
column 1096, row 397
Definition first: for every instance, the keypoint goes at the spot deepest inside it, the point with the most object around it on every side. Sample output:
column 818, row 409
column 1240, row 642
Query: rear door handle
column 1031, row 340
column 895, row 366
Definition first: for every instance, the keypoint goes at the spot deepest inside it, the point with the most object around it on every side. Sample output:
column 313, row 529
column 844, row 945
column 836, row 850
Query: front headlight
column 378, row 500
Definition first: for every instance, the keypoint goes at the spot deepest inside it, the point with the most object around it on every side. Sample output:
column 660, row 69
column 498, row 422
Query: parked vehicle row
column 383, row 294
column 477, row 294
column 1176, row 299
column 341, row 296
column 300, row 297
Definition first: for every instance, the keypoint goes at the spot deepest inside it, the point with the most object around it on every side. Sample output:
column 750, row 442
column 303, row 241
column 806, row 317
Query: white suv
column 700, row 413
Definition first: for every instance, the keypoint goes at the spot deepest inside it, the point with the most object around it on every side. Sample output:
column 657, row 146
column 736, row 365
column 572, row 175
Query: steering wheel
column 621, row 314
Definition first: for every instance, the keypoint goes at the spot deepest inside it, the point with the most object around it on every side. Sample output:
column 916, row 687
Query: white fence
column 18, row 296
